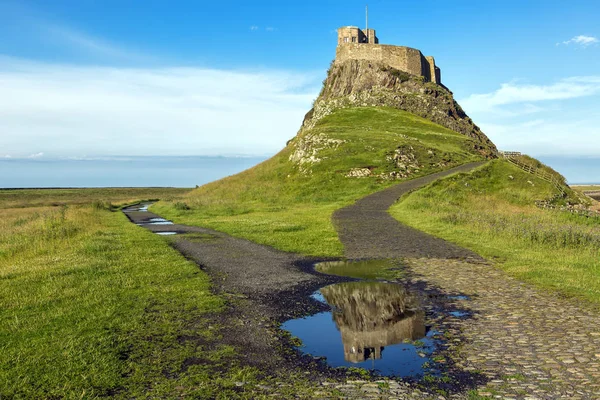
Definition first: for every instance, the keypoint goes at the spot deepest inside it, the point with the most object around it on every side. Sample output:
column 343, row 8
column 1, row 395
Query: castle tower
column 353, row 34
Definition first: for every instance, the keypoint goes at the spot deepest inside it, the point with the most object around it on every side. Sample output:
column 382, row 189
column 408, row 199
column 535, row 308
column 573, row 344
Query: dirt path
column 367, row 230
column 529, row 343
column 264, row 287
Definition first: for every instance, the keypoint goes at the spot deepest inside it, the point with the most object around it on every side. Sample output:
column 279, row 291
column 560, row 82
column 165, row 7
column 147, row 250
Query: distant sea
column 120, row 171
column 577, row 170
column 189, row 171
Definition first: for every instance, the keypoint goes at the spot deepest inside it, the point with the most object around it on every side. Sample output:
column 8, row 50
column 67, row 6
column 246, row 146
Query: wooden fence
column 514, row 157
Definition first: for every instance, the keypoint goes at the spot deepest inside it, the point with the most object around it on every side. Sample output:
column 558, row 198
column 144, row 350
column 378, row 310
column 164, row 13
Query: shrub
column 181, row 206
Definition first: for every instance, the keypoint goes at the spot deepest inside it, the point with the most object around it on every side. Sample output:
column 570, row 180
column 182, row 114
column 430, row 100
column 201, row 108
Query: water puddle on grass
column 166, row 233
column 372, row 325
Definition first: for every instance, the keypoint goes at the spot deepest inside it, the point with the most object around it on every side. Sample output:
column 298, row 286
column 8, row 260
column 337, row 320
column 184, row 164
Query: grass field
column 495, row 215
column 586, row 188
column 277, row 204
column 27, row 198
column 92, row 306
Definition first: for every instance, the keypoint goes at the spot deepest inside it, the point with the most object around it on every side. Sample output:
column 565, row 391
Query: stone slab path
column 529, row 343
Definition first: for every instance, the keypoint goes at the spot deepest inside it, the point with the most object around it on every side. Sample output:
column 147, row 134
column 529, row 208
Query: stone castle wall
column 353, row 45
column 403, row 58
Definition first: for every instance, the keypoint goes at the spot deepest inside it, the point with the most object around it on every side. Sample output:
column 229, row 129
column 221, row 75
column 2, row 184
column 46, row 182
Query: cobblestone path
column 531, row 344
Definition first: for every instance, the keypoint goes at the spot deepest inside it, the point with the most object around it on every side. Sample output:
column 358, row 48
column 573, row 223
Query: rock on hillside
column 361, row 83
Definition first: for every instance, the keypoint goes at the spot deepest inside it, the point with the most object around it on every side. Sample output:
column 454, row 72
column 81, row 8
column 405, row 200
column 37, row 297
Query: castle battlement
column 362, row 44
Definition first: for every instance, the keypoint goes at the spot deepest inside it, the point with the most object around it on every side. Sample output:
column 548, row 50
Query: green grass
column 586, row 188
column 495, row 215
column 27, row 198
column 277, row 204
column 91, row 305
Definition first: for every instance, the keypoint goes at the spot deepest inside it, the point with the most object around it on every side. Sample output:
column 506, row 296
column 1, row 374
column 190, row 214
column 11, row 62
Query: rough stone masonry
column 362, row 44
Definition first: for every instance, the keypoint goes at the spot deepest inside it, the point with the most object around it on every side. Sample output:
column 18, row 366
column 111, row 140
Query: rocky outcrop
column 307, row 148
column 362, row 83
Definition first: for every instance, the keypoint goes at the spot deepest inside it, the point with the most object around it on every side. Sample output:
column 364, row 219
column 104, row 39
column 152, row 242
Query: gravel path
column 529, row 343
column 367, row 230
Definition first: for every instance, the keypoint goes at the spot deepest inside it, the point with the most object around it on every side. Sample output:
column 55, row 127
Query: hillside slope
column 495, row 212
column 371, row 126
column 360, row 83
column 287, row 201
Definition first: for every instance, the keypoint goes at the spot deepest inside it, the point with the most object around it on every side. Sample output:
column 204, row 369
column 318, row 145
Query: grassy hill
column 493, row 211
column 287, row 201
column 370, row 128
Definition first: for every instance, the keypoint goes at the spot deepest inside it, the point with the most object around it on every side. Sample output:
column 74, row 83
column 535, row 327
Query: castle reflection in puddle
column 372, row 315
column 372, row 325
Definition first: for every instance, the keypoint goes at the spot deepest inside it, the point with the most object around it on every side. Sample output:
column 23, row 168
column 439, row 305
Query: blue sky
column 84, row 78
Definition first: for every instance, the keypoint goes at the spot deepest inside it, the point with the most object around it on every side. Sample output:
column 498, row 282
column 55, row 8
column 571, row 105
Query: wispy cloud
column 557, row 118
column 36, row 155
column 549, row 136
column 43, row 29
column 255, row 28
column 71, row 110
column 513, row 93
column 581, row 40
column 66, row 36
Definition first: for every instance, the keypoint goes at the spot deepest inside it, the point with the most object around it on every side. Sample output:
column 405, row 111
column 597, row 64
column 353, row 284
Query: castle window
column 346, row 40
column 353, row 39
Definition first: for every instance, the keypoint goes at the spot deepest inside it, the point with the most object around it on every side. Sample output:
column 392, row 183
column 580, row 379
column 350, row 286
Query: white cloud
column 513, row 93
column 36, row 155
column 268, row 28
column 72, row 110
column 89, row 44
column 557, row 118
column 551, row 136
column 581, row 40
column 52, row 34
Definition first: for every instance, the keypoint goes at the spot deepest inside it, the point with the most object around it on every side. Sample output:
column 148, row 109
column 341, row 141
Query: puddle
column 166, row 233
column 459, row 314
column 459, row 297
column 363, row 269
column 372, row 325
column 137, row 208
column 158, row 221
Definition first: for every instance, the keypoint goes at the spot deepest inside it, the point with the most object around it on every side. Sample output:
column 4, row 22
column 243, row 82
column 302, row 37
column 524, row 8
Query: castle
column 362, row 44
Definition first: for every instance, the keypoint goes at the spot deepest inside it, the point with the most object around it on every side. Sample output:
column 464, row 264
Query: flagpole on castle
column 367, row 27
